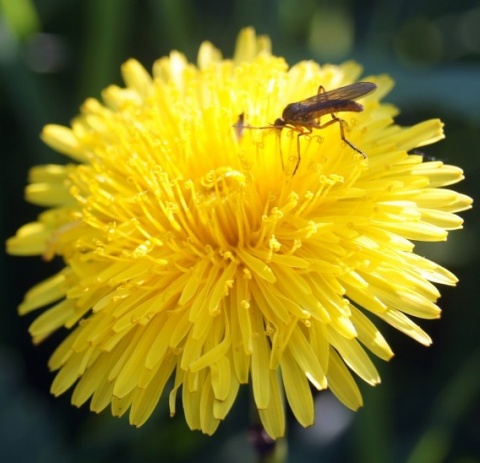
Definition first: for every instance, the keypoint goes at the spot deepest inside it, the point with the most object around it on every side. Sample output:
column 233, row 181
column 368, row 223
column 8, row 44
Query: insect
column 304, row 116
column 239, row 126
column 425, row 157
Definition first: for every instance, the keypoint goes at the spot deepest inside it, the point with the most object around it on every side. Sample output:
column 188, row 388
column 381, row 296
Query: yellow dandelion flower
column 203, row 252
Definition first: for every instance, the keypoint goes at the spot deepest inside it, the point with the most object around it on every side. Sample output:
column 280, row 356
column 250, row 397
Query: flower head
column 203, row 248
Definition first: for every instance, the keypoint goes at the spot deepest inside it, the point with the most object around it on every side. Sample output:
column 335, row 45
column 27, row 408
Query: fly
column 304, row 116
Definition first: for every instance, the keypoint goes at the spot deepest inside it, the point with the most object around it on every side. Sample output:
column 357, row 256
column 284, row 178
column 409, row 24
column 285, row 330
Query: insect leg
column 279, row 141
column 306, row 131
column 341, row 123
column 342, row 135
column 299, row 157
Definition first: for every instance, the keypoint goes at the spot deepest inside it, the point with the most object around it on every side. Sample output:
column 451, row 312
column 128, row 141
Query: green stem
column 268, row 450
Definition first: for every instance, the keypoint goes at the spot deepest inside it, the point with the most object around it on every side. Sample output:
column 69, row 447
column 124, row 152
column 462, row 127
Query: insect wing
column 351, row 92
column 348, row 93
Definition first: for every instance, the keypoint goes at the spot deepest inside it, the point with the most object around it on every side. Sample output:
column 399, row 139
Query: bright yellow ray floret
column 199, row 258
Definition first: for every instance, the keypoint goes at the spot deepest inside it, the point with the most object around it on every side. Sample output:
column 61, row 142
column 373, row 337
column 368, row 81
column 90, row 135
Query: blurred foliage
column 54, row 54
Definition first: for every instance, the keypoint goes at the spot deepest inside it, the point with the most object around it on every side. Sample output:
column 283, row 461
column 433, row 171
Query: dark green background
column 55, row 53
